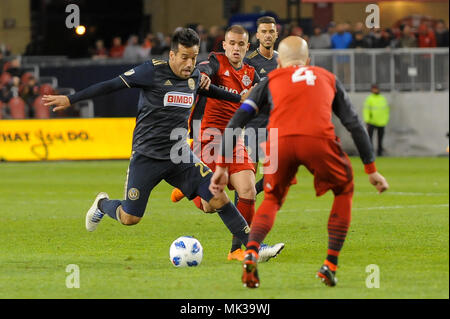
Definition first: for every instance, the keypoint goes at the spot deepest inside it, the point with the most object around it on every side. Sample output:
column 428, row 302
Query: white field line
column 405, row 193
column 367, row 208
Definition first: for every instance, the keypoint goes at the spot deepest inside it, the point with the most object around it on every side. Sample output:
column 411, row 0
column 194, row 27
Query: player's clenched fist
column 60, row 102
column 219, row 180
column 380, row 183
column 205, row 82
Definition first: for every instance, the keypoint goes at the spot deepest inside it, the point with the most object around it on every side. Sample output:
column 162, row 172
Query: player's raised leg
column 143, row 175
column 193, row 180
column 114, row 208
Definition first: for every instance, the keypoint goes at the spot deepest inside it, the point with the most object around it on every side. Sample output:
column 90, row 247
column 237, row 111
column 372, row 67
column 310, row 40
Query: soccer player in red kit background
column 302, row 99
column 227, row 71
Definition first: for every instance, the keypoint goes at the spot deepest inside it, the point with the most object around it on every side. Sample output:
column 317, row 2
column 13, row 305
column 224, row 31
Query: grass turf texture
column 404, row 231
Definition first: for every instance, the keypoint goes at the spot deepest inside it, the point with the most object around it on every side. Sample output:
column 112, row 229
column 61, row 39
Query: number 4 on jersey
column 303, row 74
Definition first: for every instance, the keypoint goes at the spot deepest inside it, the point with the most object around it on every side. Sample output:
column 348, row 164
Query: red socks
column 263, row 221
column 247, row 209
column 338, row 224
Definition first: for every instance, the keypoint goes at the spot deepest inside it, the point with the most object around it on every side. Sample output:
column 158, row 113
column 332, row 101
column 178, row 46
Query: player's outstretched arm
column 62, row 102
column 216, row 92
column 343, row 108
column 346, row 113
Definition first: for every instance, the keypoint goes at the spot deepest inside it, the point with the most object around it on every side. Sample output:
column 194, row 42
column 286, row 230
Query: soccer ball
column 186, row 251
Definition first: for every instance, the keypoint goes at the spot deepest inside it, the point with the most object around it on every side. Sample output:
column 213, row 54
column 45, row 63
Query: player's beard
column 267, row 46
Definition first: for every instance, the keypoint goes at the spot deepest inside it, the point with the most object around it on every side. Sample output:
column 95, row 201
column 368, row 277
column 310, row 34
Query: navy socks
column 109, row 207
column 234, row 222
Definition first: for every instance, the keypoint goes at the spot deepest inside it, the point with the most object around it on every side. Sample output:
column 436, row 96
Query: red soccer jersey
column 224, row 75
column 302, row 99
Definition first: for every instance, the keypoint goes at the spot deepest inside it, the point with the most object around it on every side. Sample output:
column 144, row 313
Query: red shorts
column 209, row 156
column 323, row 157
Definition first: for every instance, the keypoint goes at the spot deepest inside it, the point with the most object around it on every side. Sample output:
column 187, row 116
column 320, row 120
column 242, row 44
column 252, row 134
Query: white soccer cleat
column 94, row 215
column 266, row 251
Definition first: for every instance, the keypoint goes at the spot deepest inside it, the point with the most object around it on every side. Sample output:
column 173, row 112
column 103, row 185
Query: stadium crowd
column 21, row 92
column 427, row 34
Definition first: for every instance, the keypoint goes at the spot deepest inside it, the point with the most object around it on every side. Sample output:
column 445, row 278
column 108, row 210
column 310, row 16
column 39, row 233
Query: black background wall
column 118, row 104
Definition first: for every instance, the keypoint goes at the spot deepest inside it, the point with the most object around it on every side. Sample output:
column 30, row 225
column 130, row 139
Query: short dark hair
column 265, row 19
column 186, row 37
column 237, row 28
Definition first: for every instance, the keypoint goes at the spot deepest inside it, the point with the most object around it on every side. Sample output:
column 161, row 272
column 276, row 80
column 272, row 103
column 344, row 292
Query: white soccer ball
column 186, row 251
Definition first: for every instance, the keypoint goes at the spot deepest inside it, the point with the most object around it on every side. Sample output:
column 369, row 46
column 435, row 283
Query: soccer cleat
column 94, row 214
column 267, row 252
column 250, row 277
column 176, row 195
column 327, row 276
column 237, row 254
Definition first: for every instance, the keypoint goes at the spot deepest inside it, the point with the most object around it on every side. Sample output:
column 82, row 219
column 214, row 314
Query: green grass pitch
column 42, row 209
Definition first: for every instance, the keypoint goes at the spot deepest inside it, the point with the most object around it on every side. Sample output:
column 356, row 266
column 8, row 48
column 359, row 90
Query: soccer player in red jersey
column 302, row 99
column 227, row 71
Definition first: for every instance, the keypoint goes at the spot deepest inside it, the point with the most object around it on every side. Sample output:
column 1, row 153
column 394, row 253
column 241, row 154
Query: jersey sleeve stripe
column 124, row 81
column 252, row 104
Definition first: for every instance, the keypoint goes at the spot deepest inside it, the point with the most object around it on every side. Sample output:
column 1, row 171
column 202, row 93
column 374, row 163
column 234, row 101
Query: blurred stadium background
column 407, row 56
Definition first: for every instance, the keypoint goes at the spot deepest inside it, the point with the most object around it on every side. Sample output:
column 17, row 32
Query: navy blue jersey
column 262, row 66
column 165, row 103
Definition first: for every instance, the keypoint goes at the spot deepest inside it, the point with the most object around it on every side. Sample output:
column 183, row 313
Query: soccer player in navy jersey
column 264, row 60
column 168, row 91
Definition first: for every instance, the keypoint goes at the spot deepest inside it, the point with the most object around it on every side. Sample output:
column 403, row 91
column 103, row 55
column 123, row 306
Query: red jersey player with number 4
column 302, row 99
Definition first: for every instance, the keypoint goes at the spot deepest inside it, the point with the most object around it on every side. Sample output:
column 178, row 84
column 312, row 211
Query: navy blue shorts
column 144, row 173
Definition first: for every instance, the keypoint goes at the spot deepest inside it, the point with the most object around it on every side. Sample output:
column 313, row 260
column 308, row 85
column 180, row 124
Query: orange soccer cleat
column 237, row 254
column 176, row 195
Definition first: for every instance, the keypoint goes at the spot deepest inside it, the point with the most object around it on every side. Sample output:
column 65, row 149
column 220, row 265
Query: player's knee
column 128, row 219
column 217, row 202
column 207, row 208
column 247, row 191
